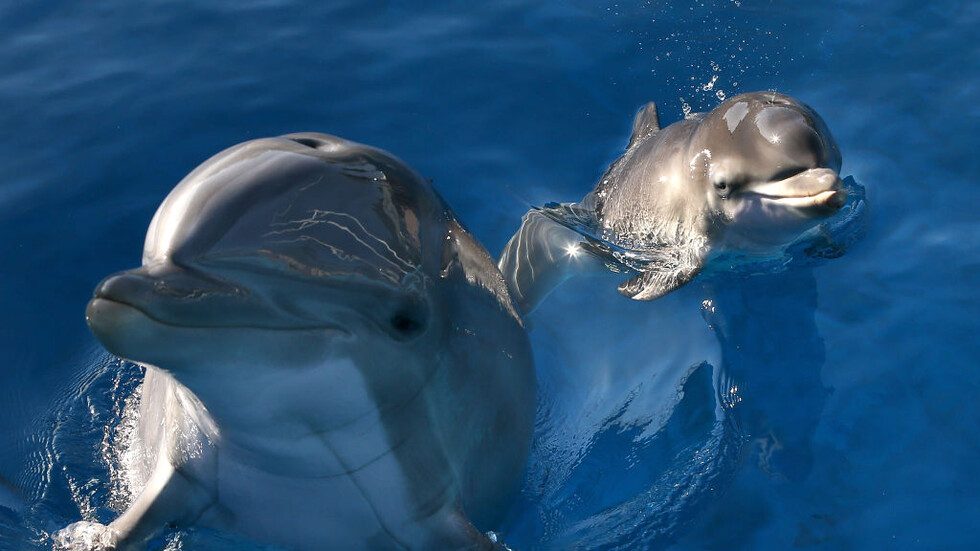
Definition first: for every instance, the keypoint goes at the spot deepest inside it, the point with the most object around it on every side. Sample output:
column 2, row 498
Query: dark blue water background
column 828, row 407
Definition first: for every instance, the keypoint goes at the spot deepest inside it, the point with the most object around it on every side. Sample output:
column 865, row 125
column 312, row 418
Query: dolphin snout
column 158, row 291
column 191, row 297
column 837, row 199
column 819, row 190
column 169, row 294
column 806, row 183
column 152, row 283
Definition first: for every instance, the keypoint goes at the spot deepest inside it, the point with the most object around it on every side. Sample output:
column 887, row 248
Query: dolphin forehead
column 311, row 205
column 763, row 134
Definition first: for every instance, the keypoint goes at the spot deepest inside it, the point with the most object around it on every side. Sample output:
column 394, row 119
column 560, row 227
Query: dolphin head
column 327, row 309
column 276, row 255
column 769, row 167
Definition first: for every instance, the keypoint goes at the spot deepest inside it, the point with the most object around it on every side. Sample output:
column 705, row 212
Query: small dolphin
column 749, row 176
column 332, row 361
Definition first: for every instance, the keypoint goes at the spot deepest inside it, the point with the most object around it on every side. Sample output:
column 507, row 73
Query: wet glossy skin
column 761, row 165
column 340, row 362
column 750, row 176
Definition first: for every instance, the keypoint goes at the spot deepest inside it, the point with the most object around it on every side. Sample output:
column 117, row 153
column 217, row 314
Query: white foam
column 84, row 536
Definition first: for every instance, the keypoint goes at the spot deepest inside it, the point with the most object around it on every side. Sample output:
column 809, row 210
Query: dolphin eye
column 406, row 324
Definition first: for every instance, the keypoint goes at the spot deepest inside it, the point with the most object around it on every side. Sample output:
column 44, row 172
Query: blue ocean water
column 845, row 416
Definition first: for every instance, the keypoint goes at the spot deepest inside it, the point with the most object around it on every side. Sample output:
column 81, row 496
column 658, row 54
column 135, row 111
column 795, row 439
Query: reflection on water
column 87, row 465
column 633, row 482
column 119, row 102
column 70, row 471
column 768, row 333
column 636, row 428
column 772, row 348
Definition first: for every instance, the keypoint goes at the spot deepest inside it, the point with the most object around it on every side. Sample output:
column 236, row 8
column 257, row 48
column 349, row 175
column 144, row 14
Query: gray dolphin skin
column 332, row 360
column 749, row 176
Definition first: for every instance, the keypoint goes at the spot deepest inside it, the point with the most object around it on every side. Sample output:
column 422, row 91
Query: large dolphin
column 749, row 176
column 332, row 361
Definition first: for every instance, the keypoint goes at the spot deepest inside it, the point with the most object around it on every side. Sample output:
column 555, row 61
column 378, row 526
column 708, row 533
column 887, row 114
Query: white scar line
column 316, row 218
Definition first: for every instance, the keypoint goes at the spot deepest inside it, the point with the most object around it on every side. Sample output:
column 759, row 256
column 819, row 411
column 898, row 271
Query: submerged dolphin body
column 750, row 176
column 332, row 361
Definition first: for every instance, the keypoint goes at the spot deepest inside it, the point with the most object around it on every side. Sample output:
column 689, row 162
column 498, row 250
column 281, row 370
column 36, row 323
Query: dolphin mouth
column 814, row 189
column 831, row 198
column 99, row 307
column 188, row 300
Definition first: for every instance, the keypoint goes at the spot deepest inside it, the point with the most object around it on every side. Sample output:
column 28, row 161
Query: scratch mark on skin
column 318, row 217
column 344, row 255
column 351, row 471
column 299, row 193
column 363, row 493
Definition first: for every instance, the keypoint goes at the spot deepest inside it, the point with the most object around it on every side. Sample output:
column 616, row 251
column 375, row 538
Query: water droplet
column 708, row 86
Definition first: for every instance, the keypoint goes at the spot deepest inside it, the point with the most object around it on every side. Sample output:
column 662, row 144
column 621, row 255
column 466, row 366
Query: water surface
column 853, row 425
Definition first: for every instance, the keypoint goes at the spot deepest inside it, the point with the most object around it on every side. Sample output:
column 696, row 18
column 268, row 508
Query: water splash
column 84, row 536
column 710, row 85
column 124, row 453
column 686, row 109
column 686, row 48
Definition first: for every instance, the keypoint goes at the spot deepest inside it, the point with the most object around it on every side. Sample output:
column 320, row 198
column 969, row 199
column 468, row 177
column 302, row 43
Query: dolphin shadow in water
column 771, row 346
column 769, row 338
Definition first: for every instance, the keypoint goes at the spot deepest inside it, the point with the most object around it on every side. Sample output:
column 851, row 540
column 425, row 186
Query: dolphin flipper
column 662, row 279
column 168, row 498
column 540, row 256
column 173, row 492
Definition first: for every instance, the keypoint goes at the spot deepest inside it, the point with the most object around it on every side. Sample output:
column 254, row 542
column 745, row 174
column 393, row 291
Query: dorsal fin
column 646, row 123
column 463, row 252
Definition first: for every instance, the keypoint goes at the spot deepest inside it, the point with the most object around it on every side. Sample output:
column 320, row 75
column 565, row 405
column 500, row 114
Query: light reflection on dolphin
column 332, row 361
